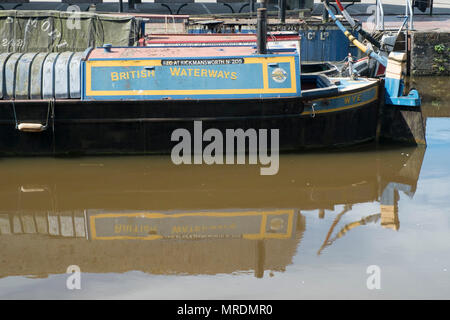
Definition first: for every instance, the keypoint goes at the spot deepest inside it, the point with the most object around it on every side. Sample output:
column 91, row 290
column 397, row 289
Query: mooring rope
column 14, row 112
column 34, row 127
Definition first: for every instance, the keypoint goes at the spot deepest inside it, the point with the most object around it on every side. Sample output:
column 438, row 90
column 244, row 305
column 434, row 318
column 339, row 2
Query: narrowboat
column 130, row 100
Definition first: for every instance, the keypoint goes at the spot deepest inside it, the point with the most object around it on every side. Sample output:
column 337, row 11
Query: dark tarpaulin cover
column 56, row 31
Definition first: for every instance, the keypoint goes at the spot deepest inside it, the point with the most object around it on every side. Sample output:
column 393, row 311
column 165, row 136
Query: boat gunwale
column 340, row 93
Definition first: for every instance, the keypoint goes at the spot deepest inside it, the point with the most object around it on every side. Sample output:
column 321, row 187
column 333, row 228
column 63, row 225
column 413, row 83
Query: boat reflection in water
column 122, row 214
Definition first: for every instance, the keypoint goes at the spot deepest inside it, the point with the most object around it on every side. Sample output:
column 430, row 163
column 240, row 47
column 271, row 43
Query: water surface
column 143, row 228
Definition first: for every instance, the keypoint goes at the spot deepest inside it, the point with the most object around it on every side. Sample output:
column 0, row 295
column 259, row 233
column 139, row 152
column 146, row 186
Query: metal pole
column 379, row 16
column 120, row 5
column 282, row 10
column 252, row 6
column 407, row 45
column 410, row 12
column 262, row 30
column 325, row 15
column 262, row 3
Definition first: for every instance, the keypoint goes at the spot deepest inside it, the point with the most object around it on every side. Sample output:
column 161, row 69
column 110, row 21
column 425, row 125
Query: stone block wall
column 430, row 53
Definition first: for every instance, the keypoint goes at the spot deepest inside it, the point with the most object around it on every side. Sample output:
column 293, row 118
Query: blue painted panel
column 192, row 78
column 326, row 44
column 318, row 43
column 177, row 77
column 353, row 100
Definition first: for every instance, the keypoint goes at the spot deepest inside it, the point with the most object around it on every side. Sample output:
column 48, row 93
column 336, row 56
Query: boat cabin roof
column 213, row 38
column 190, row 38
column 170, row 52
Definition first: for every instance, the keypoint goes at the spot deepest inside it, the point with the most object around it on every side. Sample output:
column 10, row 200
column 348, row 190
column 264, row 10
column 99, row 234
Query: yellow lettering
column 197, row 72
column 175, row 71
column 143, row 74
column 122, row 75
column 117, row 228
column 212, row 73
column 114, row 76
column 352, row 99
column 183, row 72
column 233, row 76
column 190, row 70
column 151, row 73
column 220, row 75
column 226, row 74
column 204, row 73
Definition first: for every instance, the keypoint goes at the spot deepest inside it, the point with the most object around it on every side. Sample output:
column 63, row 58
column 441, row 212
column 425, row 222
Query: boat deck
column 170, row 52
column 346, row 84
column 199, row 38
column 213, row 38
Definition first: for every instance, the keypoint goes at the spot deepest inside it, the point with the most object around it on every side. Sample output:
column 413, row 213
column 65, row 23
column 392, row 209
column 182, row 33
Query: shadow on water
column 435, row 95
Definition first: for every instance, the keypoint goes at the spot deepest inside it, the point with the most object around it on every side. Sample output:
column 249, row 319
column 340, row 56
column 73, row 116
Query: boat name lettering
column 201, row 228
column 352, row 99
column 135, row 74
column 120, row 228
column 201, row 62
column 211, row 73
column 133, row 228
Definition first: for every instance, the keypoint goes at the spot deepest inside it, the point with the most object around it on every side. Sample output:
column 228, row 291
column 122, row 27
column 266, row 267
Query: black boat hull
column 145, row 127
